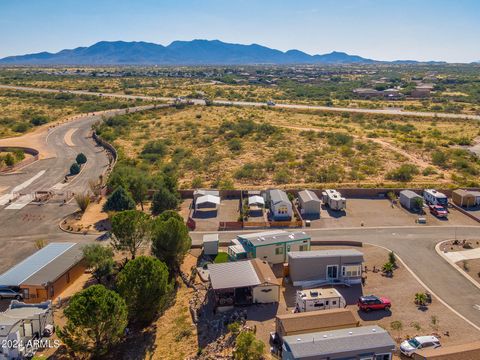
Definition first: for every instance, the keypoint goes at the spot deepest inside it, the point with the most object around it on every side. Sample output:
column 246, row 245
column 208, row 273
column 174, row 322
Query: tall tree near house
column 139, row 190
column 96, row 320
column 164, row 200
column 143, row 283
column 170, row 241
column 247, row 347
column 130, row 229
column 100, row 259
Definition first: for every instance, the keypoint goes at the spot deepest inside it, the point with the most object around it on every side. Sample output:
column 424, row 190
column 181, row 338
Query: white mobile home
column 334, row 200
column 318, row 299
column 434, row 197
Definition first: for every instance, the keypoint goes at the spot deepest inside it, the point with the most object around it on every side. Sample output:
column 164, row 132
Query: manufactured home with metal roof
column 271, row 246
column 46, row 273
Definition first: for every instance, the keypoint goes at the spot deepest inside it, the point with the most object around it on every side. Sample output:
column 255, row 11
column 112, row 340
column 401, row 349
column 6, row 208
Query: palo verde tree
column 143, row 283
column 247, row 347
column 130, row 229
column 96, row 319
column 119, row 200
column 170, row 241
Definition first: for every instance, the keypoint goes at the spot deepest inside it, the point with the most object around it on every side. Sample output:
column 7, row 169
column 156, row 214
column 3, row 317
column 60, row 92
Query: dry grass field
column 259, row 147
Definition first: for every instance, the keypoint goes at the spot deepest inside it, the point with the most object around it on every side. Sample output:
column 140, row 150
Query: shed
column 310, row 268
column 210, row 244
column 207, row 201
column 309, row 203
column 464, row 198
column 469, row 351
column 350, row 343
column 243, row 282
column 46, row 273
column 408, row 199
column 280, row 205
column 202, row 192
column 313, row 321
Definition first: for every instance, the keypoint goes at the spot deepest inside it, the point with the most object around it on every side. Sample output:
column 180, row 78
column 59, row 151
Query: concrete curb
column 428, row 289
column 458, row 268
column 75, row 232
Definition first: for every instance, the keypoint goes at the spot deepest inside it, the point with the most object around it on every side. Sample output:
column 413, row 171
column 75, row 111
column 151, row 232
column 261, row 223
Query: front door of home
column 332, row 271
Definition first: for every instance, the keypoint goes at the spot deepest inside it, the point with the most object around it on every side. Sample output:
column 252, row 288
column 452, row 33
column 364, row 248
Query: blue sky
column 380, row 29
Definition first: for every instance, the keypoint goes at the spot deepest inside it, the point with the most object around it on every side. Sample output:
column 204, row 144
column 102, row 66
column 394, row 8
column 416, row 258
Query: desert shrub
column 282, row 177
column 234, row 144
column 82, row 200
column 404, row 173
column 81, row 159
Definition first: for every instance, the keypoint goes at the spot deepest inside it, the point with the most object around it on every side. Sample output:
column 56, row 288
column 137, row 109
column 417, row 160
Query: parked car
column 408, row 347
column 372, row 302
column 270, row 103
column 7, row 293
column 438, row 211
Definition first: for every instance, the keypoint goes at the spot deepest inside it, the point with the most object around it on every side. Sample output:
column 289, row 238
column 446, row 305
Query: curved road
column 258, row 104
column 24, row 222
column 415, row 245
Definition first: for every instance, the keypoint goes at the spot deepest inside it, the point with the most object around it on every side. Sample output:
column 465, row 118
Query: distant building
column 367, row 93
column 466, row 198
column 280, row 205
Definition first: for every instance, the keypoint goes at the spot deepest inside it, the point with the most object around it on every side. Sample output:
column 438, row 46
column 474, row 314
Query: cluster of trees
column 133, row 294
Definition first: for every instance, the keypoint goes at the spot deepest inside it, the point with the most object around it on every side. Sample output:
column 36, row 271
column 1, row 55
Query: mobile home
column 334, row 200
column 271, row 246
column 434, row 197
column 318, row 299
column 280, row 205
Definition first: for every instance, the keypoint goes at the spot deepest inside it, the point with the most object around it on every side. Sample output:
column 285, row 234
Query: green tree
column 100, row 259
column 74, row 169
column 81, row 159
column 247, row 347
column 139, row 189
column 392, row 258
column 119, row 200
column 9, row 159
column 163, row 200
column 96, row 319
column 167, row 214
column 143, row 283
column 170, row 241
column 130, row 229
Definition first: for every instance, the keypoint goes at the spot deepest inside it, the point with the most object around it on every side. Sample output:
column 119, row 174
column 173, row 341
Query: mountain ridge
column 194, row 52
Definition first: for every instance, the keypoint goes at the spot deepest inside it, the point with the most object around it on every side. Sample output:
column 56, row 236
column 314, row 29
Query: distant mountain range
column 195, row 52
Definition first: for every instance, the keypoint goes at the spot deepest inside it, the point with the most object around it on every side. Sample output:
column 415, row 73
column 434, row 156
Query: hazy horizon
column 430, row 30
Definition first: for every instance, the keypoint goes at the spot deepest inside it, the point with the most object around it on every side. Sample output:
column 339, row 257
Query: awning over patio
column 207, row 201
column 256, row 200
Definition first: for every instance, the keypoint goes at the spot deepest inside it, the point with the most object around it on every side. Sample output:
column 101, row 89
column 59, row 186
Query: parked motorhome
column 334, row 200
column 318, row 299
column 434, row 197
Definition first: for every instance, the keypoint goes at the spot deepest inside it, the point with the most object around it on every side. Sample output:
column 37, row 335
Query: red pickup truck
column 372, row 302
column 438, row 211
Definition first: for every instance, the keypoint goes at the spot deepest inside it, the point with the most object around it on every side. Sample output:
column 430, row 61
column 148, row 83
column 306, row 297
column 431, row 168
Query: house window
column 303, row 248
column 351, row 271
column 279, row 250
column 383, row 357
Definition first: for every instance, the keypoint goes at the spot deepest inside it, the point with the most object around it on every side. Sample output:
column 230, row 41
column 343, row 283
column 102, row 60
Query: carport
column 256, row 204
column 207, row 201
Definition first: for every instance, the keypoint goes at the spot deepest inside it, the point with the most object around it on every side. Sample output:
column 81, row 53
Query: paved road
column 416, row 246
column 23, row 222
column 397, row 112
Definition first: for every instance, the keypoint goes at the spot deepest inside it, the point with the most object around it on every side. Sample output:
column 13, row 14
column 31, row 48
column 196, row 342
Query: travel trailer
column 318, row 299
column 334, row 200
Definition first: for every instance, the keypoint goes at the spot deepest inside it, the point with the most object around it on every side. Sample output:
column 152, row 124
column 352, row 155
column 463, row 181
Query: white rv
column 334, row 200
column 318, row 299
column 434, row 197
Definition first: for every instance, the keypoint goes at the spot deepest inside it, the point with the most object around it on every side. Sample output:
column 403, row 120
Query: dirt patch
column 472, row 268
column 92, row 221
column 458, row 245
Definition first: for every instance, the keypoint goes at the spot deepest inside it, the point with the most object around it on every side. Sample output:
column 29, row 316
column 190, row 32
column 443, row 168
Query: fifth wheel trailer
column 318, row 299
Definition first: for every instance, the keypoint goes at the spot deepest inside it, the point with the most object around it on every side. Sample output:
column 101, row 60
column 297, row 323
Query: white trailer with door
column 434, row 197
column 318, row 299
column 334, row 200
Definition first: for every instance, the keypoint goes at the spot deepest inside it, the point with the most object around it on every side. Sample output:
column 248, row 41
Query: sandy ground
column 472, row 268
column 93, row 220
